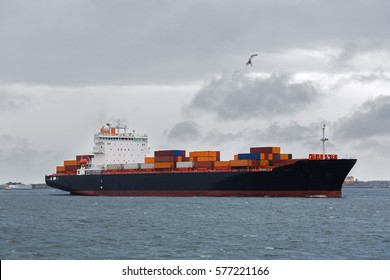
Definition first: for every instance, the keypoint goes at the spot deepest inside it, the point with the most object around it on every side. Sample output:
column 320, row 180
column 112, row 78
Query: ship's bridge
column 114, row 145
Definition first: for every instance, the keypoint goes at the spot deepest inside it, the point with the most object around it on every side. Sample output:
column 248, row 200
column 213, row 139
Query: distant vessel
column 17, row 186
column 349, row 180
column 119, row 166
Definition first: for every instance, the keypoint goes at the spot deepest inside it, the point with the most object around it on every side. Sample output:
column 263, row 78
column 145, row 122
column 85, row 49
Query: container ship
column 119, row 165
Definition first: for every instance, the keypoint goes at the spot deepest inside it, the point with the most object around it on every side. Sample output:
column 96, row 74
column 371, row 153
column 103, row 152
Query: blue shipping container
column 249, row 156
column 178, row 153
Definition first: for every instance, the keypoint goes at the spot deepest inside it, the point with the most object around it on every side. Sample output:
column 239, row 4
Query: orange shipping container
column 264, row 163
column 205, row 154
column 149, row 160
column 241, row 163
column 71, row 162
column 235, row 157
column 262, row 156
column 60, row 169
column 197, row 154
column 222, row 164
column 283, row 156
column 164, row 165
column 213, row 158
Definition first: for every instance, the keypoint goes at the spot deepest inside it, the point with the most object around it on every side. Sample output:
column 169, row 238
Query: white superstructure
column 114, row 145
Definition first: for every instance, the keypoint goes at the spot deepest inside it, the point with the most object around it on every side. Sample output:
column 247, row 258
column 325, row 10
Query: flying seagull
column 250, row 59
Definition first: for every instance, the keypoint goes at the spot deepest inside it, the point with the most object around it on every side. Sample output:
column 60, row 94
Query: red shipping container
column 165, row 159
column 170, row 153
column 267, row 150
column 71, row 168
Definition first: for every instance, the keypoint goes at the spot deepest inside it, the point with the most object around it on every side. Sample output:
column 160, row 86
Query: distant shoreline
column 368, row 184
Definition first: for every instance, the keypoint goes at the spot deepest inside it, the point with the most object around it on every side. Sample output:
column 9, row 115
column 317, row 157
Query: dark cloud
column 344, row 58
column 348, row 51
column 371, row 119
column 10, row 101
column 375, row 148
column 184, row 131
column 216, row 137
column 370, row 77
column 291, row 132
column 106, row 42
column 240, row 96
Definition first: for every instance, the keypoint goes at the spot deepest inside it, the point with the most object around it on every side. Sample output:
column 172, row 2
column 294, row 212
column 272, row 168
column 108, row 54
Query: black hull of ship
column 301, row 179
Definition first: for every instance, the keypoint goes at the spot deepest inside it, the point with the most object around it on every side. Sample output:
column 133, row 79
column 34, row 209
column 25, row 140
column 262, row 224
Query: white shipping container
column 147, row 165
column 131, row 165
column 184, row 164
column 114, row 166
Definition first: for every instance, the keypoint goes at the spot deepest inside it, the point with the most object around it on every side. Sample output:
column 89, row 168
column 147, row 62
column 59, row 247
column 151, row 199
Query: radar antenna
column 323, row 140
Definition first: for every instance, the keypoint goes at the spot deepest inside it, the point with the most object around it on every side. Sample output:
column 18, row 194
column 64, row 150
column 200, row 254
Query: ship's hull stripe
column 292, row 193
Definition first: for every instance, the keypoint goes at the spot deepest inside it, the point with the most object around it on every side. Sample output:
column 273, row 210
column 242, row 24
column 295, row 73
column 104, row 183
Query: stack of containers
column 270, row 154
column 205, row 159
column 71, row 166
column 60, row 169
column 148, row 163
column 71, row 162
column 167, row 159
column 205, row 156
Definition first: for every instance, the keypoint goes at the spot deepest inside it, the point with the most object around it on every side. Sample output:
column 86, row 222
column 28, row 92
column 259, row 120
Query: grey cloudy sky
column 176, row 70
column 240, row 96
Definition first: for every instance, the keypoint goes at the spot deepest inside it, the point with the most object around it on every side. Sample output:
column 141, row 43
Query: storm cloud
column 242, row 96
column 369, row 120
column 184, row 131
column 85, row 42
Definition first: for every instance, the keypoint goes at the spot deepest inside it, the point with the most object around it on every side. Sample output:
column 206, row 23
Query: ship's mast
column 323, row 139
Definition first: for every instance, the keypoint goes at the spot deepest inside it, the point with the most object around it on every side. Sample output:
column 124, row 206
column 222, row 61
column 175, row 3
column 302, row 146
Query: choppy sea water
column 50, row 224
